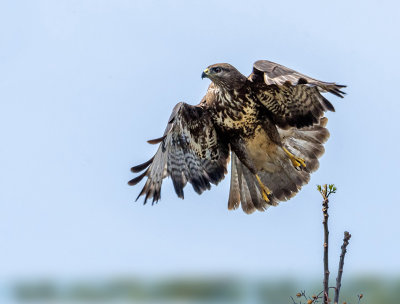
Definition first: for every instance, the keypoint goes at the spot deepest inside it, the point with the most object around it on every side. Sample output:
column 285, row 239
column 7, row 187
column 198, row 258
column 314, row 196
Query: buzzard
column 270, row 124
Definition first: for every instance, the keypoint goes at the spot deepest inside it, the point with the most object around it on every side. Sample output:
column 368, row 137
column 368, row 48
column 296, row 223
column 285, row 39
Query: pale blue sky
column 83, row 85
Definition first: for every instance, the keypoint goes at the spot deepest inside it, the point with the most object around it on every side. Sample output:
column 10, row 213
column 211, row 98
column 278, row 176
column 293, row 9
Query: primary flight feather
column 270, row 124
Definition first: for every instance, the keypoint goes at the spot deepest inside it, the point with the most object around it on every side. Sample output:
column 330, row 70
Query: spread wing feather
column 190, row 151
column 293, row 99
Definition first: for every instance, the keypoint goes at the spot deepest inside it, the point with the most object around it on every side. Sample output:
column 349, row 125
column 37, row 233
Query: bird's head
column 224, row 75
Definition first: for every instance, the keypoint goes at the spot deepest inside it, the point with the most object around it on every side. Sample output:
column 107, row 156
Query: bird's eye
column 217, row 69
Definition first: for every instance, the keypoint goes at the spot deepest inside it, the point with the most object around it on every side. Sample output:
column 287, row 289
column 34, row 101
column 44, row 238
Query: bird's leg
column 266, row 193
column 296, row 161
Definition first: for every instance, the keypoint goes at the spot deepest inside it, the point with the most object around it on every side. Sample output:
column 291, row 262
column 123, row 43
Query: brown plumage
column 271, row 123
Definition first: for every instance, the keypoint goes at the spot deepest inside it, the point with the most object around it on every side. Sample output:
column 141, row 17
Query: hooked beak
column 205, row 73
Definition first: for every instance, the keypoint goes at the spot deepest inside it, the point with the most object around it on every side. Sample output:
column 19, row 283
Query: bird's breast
column 235, row 112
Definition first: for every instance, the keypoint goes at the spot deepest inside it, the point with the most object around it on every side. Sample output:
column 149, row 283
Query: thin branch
column 346, row 239
column 326, row 243
column 325, row 192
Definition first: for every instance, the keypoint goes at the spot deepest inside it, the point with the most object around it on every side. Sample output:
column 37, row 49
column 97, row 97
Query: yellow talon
column 264, row 190
column 296, row 161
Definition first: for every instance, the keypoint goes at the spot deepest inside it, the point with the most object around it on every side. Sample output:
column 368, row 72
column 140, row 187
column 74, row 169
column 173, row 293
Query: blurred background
column 84, row 84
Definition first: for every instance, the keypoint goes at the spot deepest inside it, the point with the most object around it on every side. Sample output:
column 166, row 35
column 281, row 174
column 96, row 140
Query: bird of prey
column 271, row 126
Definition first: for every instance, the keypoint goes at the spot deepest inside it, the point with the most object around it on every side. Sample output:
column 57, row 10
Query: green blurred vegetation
column 192, row 290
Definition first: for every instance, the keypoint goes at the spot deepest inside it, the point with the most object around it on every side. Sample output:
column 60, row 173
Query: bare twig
column 346, row 239
column 326, row 242
column 325, row 192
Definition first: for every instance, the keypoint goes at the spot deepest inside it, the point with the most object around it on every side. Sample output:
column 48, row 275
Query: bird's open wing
column 190, row 151
column 293, row 99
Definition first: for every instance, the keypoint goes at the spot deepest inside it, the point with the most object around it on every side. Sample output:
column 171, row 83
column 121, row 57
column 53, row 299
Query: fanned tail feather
column 286, row 181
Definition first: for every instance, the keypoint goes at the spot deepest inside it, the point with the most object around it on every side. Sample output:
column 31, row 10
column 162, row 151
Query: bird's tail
column 286, row 180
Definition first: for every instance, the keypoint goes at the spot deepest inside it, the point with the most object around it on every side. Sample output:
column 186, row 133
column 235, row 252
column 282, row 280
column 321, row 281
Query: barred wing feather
column 190, row 151
column 293, row 99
